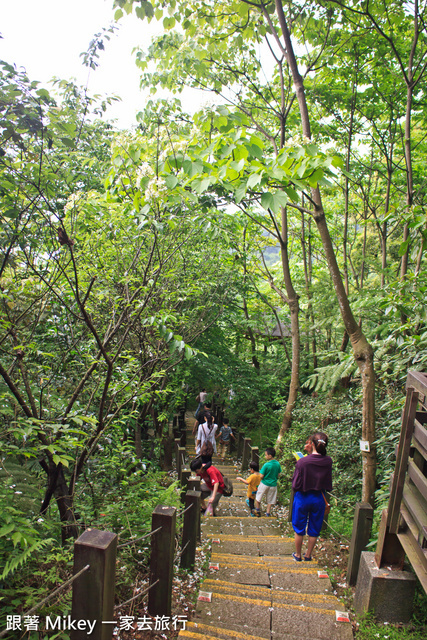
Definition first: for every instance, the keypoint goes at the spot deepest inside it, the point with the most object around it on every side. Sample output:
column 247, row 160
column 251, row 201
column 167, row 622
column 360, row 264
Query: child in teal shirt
column 268, row 485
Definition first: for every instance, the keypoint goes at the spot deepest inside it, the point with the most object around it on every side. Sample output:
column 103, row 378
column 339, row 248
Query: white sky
column 47, row 36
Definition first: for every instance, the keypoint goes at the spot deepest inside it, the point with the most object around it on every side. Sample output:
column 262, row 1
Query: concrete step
column 262, row 545
column 200, row 631
column 235, row 525
column 274, row 596
column 305, row 619
column 279, row 573
column 258, row 591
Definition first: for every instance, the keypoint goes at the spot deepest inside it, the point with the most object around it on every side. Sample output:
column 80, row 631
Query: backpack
column 207, row 447
column 228, row 487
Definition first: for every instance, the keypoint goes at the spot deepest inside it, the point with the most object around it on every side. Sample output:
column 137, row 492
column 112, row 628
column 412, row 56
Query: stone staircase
column 253, row 588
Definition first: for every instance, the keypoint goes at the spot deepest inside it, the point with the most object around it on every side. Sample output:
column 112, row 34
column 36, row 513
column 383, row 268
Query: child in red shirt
column 212, row 486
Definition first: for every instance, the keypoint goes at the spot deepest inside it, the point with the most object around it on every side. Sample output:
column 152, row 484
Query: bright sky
column 47, row 36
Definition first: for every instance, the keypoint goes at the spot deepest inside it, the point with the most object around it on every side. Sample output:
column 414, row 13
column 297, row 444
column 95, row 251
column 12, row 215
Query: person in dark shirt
column 312, row 477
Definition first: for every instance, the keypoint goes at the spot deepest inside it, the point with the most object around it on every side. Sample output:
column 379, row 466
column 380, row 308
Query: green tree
column 99, row 291
column 217, row 51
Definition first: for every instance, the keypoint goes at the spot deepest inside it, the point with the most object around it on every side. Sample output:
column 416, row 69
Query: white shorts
column 270, row 493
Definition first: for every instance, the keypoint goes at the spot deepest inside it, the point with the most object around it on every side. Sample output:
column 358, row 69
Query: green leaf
column 16, row 538
column 201, row 185
column 315, row 177
column 169, row 23
column 253, row 180
column 237, row 166
column 291, row 193
column 312, row 149
column 256, row 151
column 4, row 531
column 240, row 193
column 267, row 200
column 171, row 181
column 68, row 142
column 280, row 199
column 403, row 248
column 11, row 213
column 188, row 352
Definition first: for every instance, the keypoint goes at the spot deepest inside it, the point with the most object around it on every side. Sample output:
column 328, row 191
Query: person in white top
column 206, row 431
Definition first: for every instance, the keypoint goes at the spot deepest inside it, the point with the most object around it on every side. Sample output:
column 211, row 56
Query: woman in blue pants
column 312, row 477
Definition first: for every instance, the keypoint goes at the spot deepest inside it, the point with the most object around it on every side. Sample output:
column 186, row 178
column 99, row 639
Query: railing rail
column 403, row 529
column 93, row 591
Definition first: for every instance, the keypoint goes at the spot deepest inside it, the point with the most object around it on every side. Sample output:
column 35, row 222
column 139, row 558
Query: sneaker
column 295, row 557
column 256, row 512
column 248, row 503
column 307, row 559
column 268, row 515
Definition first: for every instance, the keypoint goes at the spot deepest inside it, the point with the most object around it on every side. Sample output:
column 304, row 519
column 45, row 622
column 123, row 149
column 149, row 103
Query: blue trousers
column 308, row 510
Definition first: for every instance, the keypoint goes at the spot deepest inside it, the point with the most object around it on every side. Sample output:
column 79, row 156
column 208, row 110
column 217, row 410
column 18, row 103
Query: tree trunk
column 57, row 486
column 167, row 446
column 384, row 226
column 362, row 350
column 409, row 179
column 346, row 179
column 308, row 281
column 310, row 278
column 251, row 336
column 245, row 310
column 295, row 333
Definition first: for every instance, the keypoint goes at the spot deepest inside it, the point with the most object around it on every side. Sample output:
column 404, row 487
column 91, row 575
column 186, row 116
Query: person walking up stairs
column 254, row 589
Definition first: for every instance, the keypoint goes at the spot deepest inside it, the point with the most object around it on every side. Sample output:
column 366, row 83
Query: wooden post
column 182, row 429
column 389, row 551
column 406, row 432
column 255, row 454
column 185, row 475
column 240, row 445
column 362, row 525
column 246, row 453
column 233, row 443
column 189, row 530
column 93, row 591
column 180, row 457
column 161, row 562
column 177, row 445
column 194, row 485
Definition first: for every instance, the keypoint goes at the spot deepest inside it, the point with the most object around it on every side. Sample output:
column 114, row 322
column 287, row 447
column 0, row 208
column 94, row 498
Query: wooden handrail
column 403, row 527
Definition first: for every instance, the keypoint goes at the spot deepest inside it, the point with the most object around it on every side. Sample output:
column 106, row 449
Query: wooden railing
column 96, row 552
column 403, row 527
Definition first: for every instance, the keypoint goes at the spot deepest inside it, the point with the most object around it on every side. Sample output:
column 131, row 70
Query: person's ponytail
column 320, row 441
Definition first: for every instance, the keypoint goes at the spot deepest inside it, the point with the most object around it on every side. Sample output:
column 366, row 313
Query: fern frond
column 21, row 559
column 327, row 377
